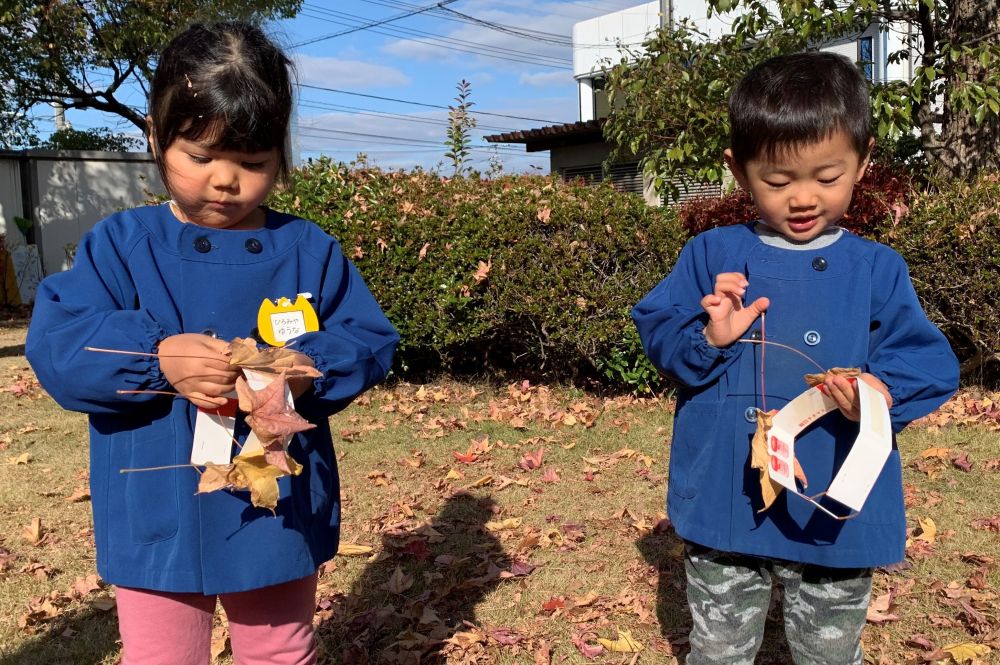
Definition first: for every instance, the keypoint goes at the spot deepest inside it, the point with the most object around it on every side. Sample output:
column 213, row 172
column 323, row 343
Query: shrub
column 881, row 195
column 951, row 241
column 521, row 274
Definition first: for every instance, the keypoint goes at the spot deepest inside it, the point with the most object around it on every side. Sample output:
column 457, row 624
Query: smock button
column 755, row 335
column 819, row 264
column 811, row 338
column 253, row 246
column 750, row 414
column 203, row 244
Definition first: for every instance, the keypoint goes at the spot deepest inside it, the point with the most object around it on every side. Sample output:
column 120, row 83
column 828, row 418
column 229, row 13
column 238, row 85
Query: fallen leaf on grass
column 33, row 533
column 23, row 458
column 880, row 609
column 531, row 460
column 624, row 644
column 351, row 549
column 966, row 652
column 398, row 582
column 928, row 530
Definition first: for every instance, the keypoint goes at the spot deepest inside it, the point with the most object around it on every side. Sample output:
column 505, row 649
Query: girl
column 155, row 279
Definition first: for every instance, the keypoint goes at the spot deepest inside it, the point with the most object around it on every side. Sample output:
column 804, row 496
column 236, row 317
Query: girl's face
column 220, row 189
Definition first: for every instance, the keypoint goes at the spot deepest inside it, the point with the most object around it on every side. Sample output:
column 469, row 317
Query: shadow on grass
column 663, row 549
column 422, row 590
column 85, row 636
column 12, row 351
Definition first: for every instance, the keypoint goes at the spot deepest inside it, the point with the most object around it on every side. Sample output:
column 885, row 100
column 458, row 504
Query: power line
column 419, row 10
column 395, row 140
column 355, row 110
column 432, row 106
column 401, row 31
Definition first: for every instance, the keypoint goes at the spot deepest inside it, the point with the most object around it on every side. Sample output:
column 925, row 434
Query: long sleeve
column 907, row 352
column 671, row 322
column 94, row 304
column 355, row 346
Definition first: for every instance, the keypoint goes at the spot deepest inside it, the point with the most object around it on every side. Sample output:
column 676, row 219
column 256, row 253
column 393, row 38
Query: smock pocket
column 151, row 502
column 695, row 430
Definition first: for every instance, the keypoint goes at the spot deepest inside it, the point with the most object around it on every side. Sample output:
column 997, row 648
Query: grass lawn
column 515, row 524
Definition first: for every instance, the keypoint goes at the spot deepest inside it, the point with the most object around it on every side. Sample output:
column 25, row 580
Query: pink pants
column 269, row 626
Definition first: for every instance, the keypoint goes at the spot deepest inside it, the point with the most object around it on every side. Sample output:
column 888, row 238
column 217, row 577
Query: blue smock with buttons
column 140, row 276
column 846, row 304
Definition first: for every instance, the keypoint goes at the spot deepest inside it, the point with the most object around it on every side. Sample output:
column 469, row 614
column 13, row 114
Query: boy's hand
column 728, row 319
column 197, row 366
column 844, row 392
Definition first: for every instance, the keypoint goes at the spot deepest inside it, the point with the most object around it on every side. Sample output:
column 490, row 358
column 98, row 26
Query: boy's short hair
column 799, row 98
column 225, row 83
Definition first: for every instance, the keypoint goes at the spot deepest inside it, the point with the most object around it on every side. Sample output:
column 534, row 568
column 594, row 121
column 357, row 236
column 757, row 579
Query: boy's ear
column 865, row 161
column 736, row 169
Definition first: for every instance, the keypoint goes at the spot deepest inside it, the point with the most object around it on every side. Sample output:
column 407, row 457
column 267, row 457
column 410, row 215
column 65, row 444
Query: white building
column 578, row 149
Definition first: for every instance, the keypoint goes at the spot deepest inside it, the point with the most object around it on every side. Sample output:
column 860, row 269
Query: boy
column 801, row 139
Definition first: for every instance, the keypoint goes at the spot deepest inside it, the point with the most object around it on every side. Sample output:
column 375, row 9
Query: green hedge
column 951, row 240
column 565, row 263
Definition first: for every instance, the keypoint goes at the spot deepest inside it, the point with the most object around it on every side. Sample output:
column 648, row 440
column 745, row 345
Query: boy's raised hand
column 728, row 318
column 844, row 392
column 197, row 366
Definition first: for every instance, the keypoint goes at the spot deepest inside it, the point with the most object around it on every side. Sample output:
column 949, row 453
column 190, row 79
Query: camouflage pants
column 729, row 595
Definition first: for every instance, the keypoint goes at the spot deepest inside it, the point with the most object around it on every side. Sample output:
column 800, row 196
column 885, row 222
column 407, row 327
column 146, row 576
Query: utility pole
column 666, row 13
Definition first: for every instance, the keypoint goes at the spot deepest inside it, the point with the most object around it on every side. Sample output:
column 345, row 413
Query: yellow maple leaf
column 928, row 530
column 255, row 473
column 624, row 644
column 966, row 652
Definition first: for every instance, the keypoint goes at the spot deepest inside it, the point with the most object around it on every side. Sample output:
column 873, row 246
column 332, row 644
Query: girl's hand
column 844, row 392
column 197, row 366
column 728, row 319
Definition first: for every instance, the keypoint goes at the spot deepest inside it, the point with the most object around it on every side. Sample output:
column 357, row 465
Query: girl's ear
column 150, row 135
column 736, row 169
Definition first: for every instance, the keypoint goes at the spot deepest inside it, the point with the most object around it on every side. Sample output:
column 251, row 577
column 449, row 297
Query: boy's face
column 804, row 189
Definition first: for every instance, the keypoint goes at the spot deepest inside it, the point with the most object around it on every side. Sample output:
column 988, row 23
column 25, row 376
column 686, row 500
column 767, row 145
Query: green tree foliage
column 87, row 53
column 669, row 101
column 100, row 138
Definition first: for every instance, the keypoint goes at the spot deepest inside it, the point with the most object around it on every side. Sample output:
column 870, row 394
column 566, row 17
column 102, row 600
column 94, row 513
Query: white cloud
column 545, row 79
column 352, row 74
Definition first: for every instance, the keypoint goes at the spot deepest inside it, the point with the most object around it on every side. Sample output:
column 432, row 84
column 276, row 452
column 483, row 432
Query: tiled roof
column 543, row 138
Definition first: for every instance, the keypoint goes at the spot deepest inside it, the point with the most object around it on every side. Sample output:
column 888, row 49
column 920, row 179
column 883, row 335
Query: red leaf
column 553, row 604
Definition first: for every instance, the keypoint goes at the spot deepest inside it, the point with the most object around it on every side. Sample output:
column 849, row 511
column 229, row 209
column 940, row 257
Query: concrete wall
column 66, row 192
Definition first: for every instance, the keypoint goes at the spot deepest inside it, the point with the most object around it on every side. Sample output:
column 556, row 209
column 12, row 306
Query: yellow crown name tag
column 281, row 321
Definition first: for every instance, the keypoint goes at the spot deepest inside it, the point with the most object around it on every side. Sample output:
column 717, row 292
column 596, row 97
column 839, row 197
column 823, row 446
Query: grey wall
column 66, row 192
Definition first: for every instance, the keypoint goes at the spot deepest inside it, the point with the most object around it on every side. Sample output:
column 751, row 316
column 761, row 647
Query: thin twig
column 147, row 392
column 783, row 346
column 148, row 355
column 160, row 468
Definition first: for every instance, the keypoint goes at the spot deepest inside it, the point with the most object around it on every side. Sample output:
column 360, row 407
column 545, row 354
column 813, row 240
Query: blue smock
column 847, row 304
column 140, row 276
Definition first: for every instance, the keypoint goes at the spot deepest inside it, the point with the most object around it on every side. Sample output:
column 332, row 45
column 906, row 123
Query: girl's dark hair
column 799, row 98
column 226, row 83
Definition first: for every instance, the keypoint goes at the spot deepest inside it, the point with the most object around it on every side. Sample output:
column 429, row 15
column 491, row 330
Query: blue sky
column 515, row 53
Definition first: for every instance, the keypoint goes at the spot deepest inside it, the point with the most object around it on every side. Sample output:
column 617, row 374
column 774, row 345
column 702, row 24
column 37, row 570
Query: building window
column 601, row 106
column 866, row 57
column 624, row 177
